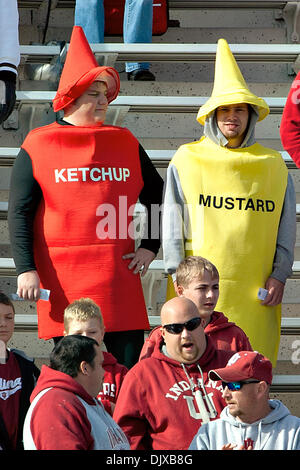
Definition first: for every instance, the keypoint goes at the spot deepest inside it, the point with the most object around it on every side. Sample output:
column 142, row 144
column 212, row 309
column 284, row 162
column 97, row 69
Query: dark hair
column 70, row 351
column 6, row 301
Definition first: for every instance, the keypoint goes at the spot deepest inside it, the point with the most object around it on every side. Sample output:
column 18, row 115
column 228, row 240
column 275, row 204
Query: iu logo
column 205, row 405
column 248, row 443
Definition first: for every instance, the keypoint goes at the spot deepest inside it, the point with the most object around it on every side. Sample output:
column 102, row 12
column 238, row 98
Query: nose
column 102, row 99
column 185, row 333
column 209, row 293
column 232, row 114
column 226, row 392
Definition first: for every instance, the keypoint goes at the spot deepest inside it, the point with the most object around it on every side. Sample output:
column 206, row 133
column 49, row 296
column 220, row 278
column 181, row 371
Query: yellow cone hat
column 229, row 86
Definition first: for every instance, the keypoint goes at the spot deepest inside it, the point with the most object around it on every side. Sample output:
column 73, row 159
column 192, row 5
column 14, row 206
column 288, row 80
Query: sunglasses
column 176, row 328
column 234, row 386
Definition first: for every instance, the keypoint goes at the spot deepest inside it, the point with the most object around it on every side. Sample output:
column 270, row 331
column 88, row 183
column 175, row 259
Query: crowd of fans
column 201, row 380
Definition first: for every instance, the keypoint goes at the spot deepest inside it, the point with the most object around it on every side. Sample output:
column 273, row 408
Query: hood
column 279, row 411
column 230, row 86
column 54, row 378
column 218, row 322
column 212, row 131
column 108, row 359
column 80, row 71
column 263, row 432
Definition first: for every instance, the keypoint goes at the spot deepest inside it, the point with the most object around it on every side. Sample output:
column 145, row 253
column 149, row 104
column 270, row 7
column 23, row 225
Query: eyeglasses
column 176, row 328
column 234, row 386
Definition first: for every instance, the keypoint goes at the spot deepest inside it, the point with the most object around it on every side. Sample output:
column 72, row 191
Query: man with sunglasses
column 166, row 397
column 250, row 421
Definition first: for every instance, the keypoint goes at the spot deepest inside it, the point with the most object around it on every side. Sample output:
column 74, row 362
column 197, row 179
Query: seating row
column 177, row 4
column 109, row 53
column 148, row 104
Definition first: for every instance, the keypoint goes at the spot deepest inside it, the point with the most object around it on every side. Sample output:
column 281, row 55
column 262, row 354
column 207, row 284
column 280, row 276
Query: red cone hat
column 80, row 71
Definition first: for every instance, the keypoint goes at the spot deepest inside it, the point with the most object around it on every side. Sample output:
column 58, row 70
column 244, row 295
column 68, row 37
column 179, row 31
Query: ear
column 202, row 323
column 179, row 289
column 162, row 332
column 262, row 388
column 83, row 368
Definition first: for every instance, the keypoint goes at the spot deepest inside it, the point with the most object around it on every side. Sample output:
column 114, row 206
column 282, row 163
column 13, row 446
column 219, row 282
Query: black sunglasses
column 176, row 328
column 234, row 386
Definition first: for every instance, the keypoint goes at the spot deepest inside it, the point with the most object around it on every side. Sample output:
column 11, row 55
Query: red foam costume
column 81, row 226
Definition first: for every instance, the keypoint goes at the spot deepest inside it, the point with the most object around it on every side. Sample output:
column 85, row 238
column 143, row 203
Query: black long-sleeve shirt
column 26, row 194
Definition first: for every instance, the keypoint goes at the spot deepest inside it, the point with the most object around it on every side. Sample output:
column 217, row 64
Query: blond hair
column 193, row 267
column 82, row 310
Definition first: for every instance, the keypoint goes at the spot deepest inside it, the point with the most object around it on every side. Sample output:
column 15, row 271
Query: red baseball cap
column 244, row 365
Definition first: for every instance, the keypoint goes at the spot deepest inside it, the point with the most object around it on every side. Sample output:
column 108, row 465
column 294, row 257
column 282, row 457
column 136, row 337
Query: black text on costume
column 239, row 203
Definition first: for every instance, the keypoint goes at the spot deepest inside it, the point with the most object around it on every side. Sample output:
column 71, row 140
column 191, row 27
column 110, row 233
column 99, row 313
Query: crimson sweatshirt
column 163, row 402
column 225, row 335
column 114, row 374
column 290, row 122
column 63, row 416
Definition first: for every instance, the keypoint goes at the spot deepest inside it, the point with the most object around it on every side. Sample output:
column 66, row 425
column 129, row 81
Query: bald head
column 173, row 310
column 188, row 345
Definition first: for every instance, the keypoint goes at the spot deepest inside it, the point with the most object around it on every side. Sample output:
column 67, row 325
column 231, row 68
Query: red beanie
column 80, row 71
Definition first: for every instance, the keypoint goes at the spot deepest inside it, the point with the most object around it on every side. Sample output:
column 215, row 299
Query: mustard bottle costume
column 235, row 207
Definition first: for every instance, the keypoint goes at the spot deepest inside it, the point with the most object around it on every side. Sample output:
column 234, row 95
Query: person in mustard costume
column 231, row 200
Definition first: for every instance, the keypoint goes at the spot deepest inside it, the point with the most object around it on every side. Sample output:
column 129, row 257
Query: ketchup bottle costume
column 87, row 178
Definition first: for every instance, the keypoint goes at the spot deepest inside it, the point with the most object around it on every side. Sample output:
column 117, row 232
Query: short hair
column 70, row 351
column 194, row 267
column 4, row 299
column 82, row 310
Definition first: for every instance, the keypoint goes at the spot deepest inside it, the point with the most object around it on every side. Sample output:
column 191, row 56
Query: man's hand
column 7, row 98
column 228, row 447
column 29, row 286
column 141, row 260
column 275, row 294
column 233, row 446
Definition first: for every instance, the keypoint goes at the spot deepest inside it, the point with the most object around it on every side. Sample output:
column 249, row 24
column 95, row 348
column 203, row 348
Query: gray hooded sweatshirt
column 279, row 430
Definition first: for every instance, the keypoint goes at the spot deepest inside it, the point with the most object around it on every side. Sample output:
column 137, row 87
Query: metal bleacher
column 144, row 104
column 177, row 4
column 160, row 114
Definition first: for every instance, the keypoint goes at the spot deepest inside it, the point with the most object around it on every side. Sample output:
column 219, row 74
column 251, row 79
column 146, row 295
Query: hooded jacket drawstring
column 206, row 415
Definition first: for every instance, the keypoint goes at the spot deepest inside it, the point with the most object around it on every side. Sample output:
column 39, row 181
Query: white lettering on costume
column 9, row 387
column 67, row 175
column 59, row 176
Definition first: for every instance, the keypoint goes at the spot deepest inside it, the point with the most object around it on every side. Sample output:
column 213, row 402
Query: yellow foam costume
column 234, row 199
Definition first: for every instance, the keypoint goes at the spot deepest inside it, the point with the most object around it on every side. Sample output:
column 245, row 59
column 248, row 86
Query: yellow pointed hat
column 230, row 86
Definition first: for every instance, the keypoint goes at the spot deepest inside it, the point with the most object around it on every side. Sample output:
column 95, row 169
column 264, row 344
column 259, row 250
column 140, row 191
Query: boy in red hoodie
column 83, row 317
column 198, row 280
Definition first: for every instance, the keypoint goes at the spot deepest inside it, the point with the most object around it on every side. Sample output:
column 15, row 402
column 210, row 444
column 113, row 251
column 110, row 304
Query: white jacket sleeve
column 174, row 221
column 9, row 36
column 286, row 237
